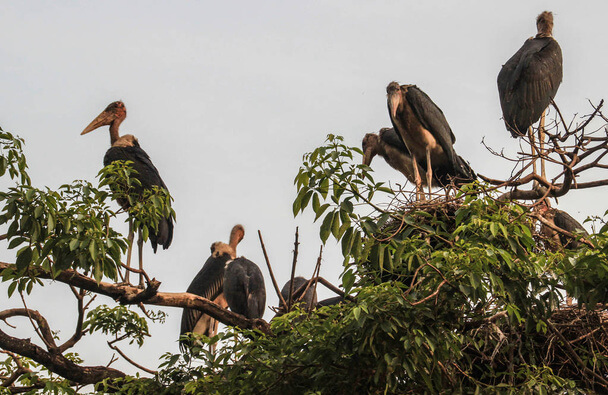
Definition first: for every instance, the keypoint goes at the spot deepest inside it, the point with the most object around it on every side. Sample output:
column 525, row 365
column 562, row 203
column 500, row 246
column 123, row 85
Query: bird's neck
column 114, row 136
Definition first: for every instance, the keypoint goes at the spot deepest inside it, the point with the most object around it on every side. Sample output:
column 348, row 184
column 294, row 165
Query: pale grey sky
column 226, row 97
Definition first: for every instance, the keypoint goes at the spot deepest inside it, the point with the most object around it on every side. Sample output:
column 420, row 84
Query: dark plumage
column 564, row 221
column 244, row 288
column 390, row 147
column 209, row 283
column 309, row 299
column 330, row 301
column 148, row 176
column 127, row 148
column 423, row 129
column 530, row 79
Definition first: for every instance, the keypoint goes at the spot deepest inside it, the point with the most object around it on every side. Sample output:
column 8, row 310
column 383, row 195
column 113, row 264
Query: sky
column 226, row 97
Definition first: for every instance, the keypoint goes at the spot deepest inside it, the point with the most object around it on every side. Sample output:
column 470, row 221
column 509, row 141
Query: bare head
column 544, row 24
column 370, row 147
column 218, row 249
column 393, row 88
column 115, row 112
column 236, row 235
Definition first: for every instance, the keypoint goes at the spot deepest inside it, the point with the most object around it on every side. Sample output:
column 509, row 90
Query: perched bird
column 244, row 288
column 126, row 148
column 423, row 129
column 529, row 80
column 331, row 301
column 309, row 299
column 209, row 283
column 390, row 147
column 562, row 220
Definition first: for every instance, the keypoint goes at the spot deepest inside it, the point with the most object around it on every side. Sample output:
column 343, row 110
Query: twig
column 122, row 354
column 293, row 270
column 274, row 281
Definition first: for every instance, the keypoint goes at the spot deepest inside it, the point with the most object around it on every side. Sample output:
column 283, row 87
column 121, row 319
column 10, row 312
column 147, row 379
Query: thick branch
column 43, row 325
column 57, row 363
column 126, row 294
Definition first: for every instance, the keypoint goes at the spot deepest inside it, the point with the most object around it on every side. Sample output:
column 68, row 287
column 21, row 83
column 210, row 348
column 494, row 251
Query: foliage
column 456, row 295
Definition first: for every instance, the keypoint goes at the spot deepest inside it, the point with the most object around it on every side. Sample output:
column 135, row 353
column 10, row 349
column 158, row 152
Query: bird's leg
column 129, row 250
column 140, row 250
column 429, row 171
column 417, row 179
column 541, row 143
column 533, row 148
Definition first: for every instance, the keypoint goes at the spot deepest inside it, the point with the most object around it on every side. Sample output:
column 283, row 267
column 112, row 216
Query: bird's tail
column 164, row 236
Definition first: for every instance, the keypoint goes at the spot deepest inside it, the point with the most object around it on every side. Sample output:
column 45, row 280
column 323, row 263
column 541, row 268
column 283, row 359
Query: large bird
column 310, row 297
column 423, row 129
column 562, row 220
column 209, row 283
column 244, row 288
column 126, row 148
column 529, row 81
column 390, row 147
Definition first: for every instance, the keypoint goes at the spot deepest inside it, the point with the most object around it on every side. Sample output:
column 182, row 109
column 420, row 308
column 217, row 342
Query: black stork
column 209, row 283
column 244, row 288
column 310, row 297
column 127, row 148
column 529, row 81
column 423, row 129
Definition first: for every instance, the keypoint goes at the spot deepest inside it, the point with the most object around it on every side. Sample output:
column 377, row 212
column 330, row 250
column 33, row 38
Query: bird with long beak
column 126, row 148
column 423, row 129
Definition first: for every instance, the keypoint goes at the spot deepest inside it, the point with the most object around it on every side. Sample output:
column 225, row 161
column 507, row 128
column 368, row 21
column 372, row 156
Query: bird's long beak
column 394, row 101
column 367, row 157
column 105, row 118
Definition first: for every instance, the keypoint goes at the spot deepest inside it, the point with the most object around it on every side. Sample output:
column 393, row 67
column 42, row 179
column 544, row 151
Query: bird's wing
column 528, row 81
column 567, row 222
column 208, row 283
column 148, row 174
column 391, row 138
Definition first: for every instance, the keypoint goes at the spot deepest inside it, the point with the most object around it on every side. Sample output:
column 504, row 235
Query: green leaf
column 326, row 226
column 24, row 258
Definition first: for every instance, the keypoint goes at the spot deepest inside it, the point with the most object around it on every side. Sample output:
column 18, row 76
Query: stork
column 562, row 220
column 244, row 288
column 126, row 148
column 423, row 129
column 529, row 80
column 209, row 283
column 390, row 147
column 310, row 297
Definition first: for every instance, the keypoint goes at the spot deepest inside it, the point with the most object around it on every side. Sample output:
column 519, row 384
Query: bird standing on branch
column 126, row 148
column 423, row 129
column 528, row 81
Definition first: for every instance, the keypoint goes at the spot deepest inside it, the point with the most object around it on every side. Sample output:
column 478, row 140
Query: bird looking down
column 309, row 299
column 209, row 283
column 244, row 288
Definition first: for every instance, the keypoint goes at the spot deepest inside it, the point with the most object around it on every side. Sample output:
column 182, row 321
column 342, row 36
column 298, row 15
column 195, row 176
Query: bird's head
column 370, row 147
column 114, row 112
column 393, row 94
column 544, row 24
column 219, row 249
column 236, row 235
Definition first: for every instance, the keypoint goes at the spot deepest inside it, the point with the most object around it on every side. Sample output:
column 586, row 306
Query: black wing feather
column 567, row 222
column 244, row 288
column 528, row 81
column 432, row 119
column 390, row 137
column 148, row 176
column 208, row 283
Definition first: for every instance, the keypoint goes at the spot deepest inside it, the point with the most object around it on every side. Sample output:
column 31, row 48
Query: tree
column 456, row 294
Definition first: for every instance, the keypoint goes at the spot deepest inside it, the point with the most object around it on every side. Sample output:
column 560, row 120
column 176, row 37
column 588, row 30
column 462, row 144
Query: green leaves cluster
column 146, row 206
column 121, row 322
